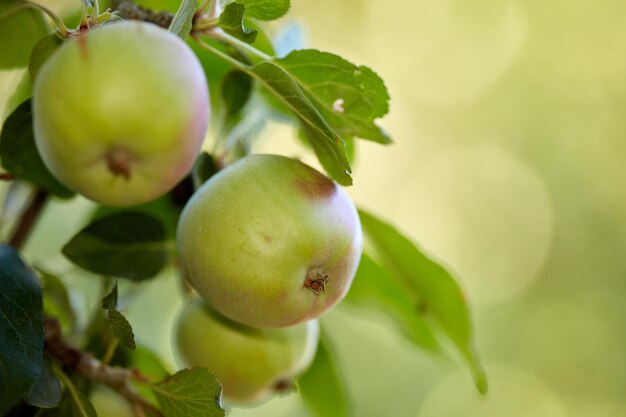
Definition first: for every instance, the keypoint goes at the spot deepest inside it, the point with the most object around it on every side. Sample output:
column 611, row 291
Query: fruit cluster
column 268, row 243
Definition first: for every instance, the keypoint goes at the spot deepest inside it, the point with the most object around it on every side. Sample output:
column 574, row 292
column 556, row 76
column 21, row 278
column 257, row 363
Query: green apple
column 109, row 403
column 250, row 363
column 120, row 112
column 270, row 241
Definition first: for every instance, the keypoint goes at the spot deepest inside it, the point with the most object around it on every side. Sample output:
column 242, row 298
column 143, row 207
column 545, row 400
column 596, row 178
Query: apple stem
column 237, row 64
column 222, row 36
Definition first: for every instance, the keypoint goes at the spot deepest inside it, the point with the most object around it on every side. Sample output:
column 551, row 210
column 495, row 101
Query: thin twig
column 222, row 36
column 28, row 219
column 237, row 64
column 215, row 9
column 60, row 26
column 5, row 176
column 115, row 377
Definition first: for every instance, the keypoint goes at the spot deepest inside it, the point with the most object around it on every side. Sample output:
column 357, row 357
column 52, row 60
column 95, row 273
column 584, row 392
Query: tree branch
column 128, row 10
column 115, row 377
column 28, row 219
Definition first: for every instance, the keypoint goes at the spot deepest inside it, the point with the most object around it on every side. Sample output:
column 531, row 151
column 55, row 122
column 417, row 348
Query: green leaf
column 56, row 298
column 80, row 406
column 350, row 98
column 232, row 21
column 439, row 293
column 122, row 329
column 182, row 23
column 148, row 363
column 21, row 27
column 162, row 208
column 203, row 169
column 266, row 9
column 109, row 301
column 46, row 391
column 41, row 52
column 126, row 245
column 322, row 388
column 150, row 366
column 374, row 287
column 236, row 91
column 19, row 154
column 328, row 145
column 21, row 328
column 190, row 392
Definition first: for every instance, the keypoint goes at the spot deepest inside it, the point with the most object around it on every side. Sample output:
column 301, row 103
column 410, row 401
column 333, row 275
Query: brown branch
column 128, row 10
column 74, row 360
column 28, row 219
column 5, row 176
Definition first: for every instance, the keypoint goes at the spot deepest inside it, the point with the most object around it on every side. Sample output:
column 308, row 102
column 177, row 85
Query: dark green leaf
column 21, row 328
column 127, row 245
column 266, row 9
column 438, row 292
column 109, row 302
column 46, row 391
column 236, row 90
column 122, row 329
column 21, row 28
column 232, row 22
column 41, row 52
column 203, row 169
column 162, row 209
column 350, row 98
column 19, row 154
column 374, row 287
column 80, row 405
column 190, row 392
column 55, row 293
column 328, row 145
column 182, row 23
column 322, row 388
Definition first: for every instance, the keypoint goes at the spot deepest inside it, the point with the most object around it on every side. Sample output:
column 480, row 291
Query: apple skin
column 251, row 363
column 120, row 112
column 270, row 241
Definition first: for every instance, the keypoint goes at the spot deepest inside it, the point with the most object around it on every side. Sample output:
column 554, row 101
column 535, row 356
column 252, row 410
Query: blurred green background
column 509, row 166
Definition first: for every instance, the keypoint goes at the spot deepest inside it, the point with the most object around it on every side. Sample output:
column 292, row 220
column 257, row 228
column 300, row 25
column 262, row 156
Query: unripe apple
column 270, row 241
column 120, row 112
column 250, row 363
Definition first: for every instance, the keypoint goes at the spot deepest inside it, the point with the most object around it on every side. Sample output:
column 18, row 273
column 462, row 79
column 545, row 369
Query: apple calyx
column 316, row 282
column 119, row 160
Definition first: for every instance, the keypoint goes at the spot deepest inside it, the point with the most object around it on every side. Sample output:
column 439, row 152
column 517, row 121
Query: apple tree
column 115, row 106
